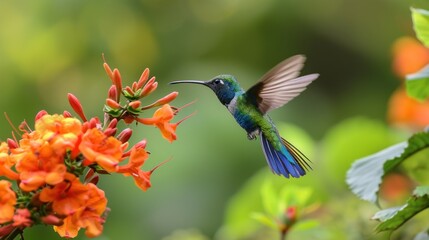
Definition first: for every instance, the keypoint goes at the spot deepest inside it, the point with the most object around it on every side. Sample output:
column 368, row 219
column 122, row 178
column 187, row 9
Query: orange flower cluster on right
column 57, row 164
column 409, row 56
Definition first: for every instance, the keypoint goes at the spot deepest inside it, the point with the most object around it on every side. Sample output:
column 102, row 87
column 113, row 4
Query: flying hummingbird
column 276, row 88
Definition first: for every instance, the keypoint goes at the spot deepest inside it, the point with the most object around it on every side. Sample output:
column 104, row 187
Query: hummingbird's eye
column 218, row 81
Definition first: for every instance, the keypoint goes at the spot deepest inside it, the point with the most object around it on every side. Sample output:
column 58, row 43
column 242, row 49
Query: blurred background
column 212, row 186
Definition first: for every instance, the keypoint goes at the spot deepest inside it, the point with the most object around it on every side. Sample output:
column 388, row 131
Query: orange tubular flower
column 91, row 217
column 137, row 158
column 7, row 201
column 69, row 229
column 88, row 216
column 67, row 197
column 97, row 148
column 62, row 133
column 37, row 163
column 6, row 163
column 40, row 155
column 161, row 119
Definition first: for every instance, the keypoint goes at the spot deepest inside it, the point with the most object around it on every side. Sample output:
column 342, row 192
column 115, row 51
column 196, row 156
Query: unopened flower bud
column 135, row 104
column 110, row 132
column 125, row 135
column 113, row 123
column 52, row 220
column 67, row 114
column 134, row 86
column 12, row 144
column 113, row 93
column 129, row 90
column 108, row 70
column 150, row 86
column 40, row 114
column 77, row 107
column 168, row 98
column 117, row 80
column 143, row 78
column 141, row 144
column 112, row 103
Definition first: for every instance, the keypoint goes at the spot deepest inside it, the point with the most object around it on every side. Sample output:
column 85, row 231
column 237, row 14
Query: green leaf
column 416, row 143
column 305, row 225
column 418, row 84
column 421, row 24
column 393, row 218
column 269, row 198
column 365, row 175
column 264, row 219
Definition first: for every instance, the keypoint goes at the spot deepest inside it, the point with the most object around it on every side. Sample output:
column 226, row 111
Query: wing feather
column 281, row 84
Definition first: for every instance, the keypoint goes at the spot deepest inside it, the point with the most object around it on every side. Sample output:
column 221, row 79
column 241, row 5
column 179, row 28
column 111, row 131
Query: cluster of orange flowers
column 56, row 166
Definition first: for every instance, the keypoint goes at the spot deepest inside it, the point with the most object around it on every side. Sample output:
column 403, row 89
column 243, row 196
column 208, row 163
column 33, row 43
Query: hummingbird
column 249, row 108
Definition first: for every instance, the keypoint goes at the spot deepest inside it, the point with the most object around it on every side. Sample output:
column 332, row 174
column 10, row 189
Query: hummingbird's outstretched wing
column 280, row 85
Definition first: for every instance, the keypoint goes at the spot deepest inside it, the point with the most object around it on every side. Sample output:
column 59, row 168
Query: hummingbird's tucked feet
column 253, row 135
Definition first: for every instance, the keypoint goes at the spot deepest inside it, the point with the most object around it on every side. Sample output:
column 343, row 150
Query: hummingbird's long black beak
column 190, row 81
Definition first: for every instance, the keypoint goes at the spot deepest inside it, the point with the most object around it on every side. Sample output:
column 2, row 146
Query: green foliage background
column 50, row 48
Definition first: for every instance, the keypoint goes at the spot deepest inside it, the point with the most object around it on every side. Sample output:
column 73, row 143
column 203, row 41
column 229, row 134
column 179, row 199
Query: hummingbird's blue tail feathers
column 286, row 161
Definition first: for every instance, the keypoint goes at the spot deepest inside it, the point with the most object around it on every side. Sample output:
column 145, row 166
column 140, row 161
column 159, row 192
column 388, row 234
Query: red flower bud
column 110, row 132
column 12, row 144
column 135, row 104
column 143, row 78
column 40, row 114
column 67, row 114
column 291, row 213
column 77, row 107
column 150, row 86
column 108, row 70
column 113, row 123
column 94, row 123
column 52, row 220
column 125, row 135
column 129, row 90
column 117, row 81
column 134, row 86
column 170, row 97
column 112, row 103
column 141, row 144
column 113, row 93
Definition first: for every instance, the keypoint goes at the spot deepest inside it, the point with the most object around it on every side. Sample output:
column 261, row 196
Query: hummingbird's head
column 224, row 86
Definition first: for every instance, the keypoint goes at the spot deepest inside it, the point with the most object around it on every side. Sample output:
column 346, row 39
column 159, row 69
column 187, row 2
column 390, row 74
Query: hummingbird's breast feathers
column 245, row 113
